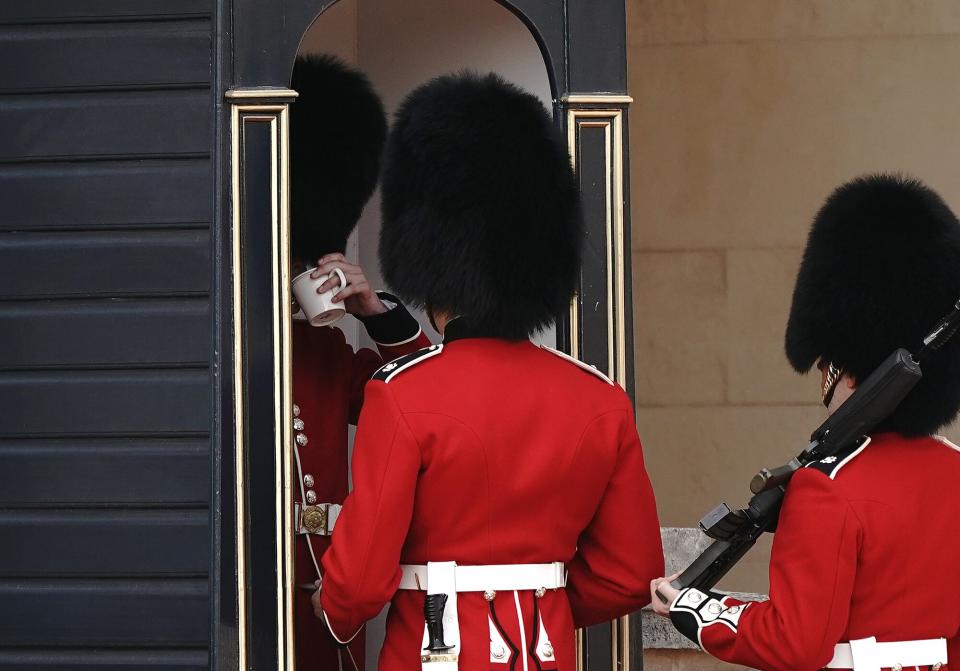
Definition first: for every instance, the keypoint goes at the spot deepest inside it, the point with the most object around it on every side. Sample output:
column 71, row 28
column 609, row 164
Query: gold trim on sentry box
column 606, row 112
column 277, row 117
column 597, row 99
column 611, row 121
column 238, row 420
column 284, row 343
column 260, row 92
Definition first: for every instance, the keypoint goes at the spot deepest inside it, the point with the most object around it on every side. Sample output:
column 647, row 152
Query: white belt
column 495, row 577
column 318, row 519
column 867, row 654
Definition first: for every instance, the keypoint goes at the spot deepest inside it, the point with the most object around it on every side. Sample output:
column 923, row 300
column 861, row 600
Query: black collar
column 460, row 328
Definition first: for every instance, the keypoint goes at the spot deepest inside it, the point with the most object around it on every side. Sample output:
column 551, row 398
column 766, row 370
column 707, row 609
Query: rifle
column 736, row 531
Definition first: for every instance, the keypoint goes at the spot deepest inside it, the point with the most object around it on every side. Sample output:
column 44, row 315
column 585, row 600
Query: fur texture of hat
column 881, row 267
column 337, row 131
column 481, row 210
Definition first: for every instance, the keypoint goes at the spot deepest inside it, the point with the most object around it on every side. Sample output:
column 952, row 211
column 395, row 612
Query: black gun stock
column 715, row 562
column 735, row 532
column 873, row 401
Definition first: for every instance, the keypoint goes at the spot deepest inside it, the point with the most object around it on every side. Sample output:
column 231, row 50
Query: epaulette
column 397, row 366
column 580, row 364
column 831, row 465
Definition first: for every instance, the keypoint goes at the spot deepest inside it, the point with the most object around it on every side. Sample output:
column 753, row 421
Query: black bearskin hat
column 481, row 212
column 337, row 131
column 882, row 266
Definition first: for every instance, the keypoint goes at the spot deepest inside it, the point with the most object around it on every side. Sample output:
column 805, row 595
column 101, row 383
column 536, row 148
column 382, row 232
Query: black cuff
column 694, row 609
column 394, row 327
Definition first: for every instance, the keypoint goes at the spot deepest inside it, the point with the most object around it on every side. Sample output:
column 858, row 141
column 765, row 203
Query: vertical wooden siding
column 105, row 334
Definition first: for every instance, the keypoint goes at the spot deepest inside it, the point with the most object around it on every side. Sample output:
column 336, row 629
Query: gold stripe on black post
column 601, row 314
column 262, row 384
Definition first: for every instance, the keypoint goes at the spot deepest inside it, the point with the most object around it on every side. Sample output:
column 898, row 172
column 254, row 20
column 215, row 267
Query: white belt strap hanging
column 448, row 578
column 864, row 653
column 442, row 579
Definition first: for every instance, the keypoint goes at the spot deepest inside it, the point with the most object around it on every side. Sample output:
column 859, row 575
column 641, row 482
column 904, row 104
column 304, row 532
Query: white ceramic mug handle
column 343, row 280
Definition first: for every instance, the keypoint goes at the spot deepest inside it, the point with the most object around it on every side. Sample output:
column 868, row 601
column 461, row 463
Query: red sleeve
column 361, row 568
column 812, row 571
column 620, row 552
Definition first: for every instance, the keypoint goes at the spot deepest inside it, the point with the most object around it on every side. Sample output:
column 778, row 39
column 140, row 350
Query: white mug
column 319, row 309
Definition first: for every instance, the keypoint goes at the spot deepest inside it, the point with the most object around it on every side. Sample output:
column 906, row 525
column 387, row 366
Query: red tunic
column 867, row 545
column 487, row 452
column 328, row 380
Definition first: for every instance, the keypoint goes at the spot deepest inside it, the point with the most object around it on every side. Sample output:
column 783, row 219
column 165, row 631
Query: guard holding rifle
column 500, row 498
column 863, row 573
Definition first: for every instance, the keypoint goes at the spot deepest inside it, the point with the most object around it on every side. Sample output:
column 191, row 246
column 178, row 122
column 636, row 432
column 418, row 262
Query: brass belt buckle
column 314, row 519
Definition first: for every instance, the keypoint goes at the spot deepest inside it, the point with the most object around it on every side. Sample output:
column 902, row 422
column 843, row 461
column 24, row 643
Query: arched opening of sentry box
column 397, row 46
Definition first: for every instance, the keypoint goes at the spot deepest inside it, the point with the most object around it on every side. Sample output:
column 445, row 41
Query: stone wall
column 747, row 113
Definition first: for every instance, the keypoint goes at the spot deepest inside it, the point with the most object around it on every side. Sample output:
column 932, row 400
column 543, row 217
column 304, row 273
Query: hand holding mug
column 355, row 294
column 318, row 306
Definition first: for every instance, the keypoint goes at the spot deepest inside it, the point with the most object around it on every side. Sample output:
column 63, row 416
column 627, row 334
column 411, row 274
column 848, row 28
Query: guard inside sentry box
column 334, row 162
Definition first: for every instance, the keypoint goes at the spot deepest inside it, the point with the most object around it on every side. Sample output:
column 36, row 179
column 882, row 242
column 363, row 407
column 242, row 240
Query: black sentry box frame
column 584, row 47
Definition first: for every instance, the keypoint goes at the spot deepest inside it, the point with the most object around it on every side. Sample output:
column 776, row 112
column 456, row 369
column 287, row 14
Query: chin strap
column 834, row 375
column 945, row 329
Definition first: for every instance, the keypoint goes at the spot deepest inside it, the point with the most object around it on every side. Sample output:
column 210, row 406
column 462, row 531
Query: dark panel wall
column 105, row 334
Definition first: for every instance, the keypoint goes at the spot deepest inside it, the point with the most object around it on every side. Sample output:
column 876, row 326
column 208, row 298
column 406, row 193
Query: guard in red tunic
column 335, row 160
column 500, row 498
column 864, row 572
